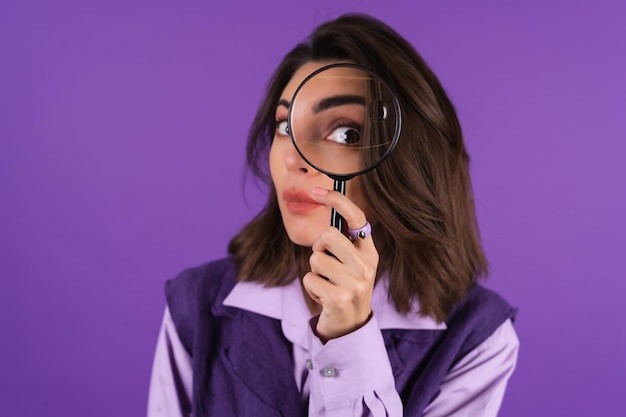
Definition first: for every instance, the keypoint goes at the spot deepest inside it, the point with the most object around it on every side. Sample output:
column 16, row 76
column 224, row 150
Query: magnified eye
column 282, row 128
column 345, row 135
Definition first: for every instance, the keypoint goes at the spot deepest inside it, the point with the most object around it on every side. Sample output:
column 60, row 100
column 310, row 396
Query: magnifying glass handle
column 335, row 218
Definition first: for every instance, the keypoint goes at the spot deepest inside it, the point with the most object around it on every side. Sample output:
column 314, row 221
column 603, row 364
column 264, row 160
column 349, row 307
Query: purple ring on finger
column 360, row 234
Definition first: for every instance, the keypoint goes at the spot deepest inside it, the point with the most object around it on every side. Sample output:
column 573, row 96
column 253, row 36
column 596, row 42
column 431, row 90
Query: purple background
column 122, row 134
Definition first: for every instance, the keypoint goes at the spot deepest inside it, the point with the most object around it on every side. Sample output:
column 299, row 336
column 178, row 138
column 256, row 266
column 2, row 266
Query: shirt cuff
column 349, row 367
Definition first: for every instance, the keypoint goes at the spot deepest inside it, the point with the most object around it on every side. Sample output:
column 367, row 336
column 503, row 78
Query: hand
column 343, row 284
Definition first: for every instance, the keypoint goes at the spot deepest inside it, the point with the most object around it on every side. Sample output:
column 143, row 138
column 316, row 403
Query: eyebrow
column 336, row 101
column 329, row 102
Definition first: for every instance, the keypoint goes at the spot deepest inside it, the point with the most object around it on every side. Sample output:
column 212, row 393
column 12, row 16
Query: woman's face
column 294, row 179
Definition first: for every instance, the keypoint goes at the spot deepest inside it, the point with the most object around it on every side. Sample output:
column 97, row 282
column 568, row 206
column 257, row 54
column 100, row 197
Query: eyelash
column 335, row 125
column 345, row 123
column 278, row 122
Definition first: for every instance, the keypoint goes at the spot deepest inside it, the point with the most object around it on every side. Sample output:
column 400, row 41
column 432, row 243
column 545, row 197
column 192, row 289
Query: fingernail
column 320, row 191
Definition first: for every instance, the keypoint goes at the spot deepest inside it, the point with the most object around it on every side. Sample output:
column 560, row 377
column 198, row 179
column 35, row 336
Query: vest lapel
column 407, row 350
column 261, row 359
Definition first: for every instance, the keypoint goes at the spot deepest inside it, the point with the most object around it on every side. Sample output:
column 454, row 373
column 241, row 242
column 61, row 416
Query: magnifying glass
column 344, row 121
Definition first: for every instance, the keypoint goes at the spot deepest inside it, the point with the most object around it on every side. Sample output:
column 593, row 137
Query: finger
column 334, row 271
column 353, row 215
column 333, row 241
column 325, row 264
column 343, row 311
column 359, row 260
column 316, row 286
column 347, row 266
column 326, row 293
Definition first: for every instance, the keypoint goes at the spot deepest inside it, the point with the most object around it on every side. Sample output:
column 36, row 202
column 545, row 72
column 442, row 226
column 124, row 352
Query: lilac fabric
column 242, row 362
column 474, row 386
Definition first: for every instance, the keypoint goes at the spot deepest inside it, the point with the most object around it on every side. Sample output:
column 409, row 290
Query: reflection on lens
column 344, row 120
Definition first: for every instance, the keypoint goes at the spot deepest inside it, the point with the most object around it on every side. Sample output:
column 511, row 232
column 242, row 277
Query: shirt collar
column 287, row 305
column 281, row 303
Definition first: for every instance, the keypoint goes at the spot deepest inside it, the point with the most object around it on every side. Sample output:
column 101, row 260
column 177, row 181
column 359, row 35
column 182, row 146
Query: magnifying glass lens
column 344, row 120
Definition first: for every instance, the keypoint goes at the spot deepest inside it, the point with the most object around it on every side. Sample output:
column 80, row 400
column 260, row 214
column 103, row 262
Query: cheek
column 274, row 160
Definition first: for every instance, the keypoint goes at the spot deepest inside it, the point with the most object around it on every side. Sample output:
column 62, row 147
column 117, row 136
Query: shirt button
column 309, row 364
column 329, row 372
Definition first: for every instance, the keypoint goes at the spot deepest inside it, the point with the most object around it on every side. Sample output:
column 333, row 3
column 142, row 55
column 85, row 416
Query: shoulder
column 484, row 306
column 478, row 316
column 216, row 277
column 423, row 359
column 195, row 291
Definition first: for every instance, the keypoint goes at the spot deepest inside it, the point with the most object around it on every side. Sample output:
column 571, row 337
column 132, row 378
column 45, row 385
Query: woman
column 393, row 321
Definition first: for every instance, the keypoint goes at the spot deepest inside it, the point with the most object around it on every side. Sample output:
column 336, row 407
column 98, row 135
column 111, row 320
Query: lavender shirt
column 364, row 386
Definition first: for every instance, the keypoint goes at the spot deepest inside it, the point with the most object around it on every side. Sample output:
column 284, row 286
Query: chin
column 303, row 230
column 301, row 238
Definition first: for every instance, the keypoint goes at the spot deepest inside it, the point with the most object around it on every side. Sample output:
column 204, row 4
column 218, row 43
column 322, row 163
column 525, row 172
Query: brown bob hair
column 426, row 231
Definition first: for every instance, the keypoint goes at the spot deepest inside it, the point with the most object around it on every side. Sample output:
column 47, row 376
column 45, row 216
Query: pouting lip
column 299, row 197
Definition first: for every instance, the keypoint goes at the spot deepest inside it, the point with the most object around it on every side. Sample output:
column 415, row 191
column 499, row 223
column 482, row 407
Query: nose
column 295, row 163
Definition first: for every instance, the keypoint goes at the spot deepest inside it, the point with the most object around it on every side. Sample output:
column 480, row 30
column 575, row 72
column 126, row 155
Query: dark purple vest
column 243, row 365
